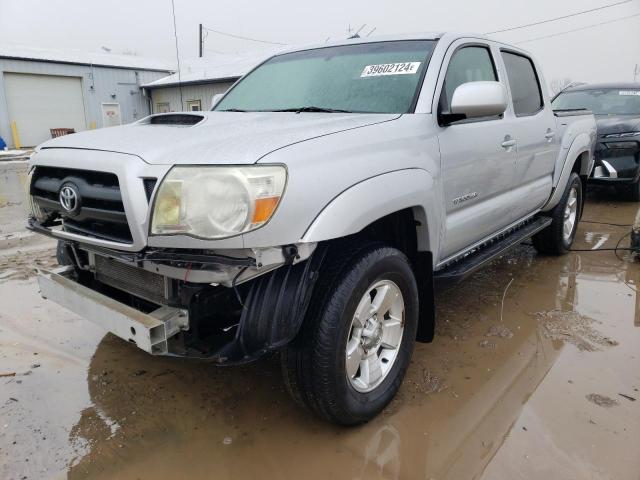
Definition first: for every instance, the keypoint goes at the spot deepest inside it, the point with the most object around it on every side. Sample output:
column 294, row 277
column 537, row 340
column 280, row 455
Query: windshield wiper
column 232, row 110
column 312, row 109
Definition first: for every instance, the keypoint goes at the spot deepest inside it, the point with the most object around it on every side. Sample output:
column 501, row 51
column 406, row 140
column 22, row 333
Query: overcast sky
column 603, row 53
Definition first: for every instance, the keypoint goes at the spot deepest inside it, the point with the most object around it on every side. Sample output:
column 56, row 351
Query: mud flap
column 273, row 310
column 426, row 298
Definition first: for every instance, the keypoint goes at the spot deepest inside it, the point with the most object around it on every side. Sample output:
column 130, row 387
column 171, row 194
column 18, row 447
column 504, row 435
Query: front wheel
column 558, row 237
column 357, row 340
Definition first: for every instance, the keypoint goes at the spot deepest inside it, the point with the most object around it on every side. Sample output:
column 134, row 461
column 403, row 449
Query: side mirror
column 215, row 99
column 479, row 99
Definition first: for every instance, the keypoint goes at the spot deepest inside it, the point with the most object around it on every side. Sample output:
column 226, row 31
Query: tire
column 552, row 240
column 315, row 364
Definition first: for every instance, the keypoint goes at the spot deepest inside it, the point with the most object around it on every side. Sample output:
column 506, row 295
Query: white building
column 43, row 89
column 199, row 80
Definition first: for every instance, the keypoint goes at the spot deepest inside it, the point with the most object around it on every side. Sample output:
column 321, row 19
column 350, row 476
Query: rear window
column 524, row 84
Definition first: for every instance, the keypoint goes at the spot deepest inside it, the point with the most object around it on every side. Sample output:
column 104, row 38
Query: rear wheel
column 356, row 342
column 558, row 237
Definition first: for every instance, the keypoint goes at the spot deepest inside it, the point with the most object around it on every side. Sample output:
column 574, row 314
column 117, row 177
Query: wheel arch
column 579, row 159
column 374, row 199
column 399, row 209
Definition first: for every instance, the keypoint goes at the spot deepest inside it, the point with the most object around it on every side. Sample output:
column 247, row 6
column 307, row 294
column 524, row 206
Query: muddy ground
column 534, row 374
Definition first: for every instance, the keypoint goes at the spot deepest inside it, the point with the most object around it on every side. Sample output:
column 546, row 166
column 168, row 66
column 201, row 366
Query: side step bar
column 474, row 261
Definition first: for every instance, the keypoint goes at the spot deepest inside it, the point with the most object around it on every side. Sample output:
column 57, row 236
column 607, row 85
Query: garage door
column 38, row 103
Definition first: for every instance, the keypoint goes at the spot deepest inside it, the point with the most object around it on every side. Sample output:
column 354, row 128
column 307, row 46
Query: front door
column 477, row 156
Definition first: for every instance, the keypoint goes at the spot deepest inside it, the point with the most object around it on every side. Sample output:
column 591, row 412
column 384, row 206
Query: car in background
column 616, row 107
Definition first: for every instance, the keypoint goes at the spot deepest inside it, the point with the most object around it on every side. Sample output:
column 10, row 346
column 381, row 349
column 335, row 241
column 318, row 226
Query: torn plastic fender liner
column 273, row 310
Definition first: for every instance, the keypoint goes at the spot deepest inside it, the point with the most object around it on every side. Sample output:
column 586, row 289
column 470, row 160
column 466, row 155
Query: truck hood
column 219, row 138
column 608, row 124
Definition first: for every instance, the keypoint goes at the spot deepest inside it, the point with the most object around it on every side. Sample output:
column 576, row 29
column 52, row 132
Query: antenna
column 357, row 34
column 371, row 31
column 200, row 40
column 175, row 34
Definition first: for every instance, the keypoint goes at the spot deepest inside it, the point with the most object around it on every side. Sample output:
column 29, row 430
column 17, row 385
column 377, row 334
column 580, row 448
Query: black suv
column 617, row 110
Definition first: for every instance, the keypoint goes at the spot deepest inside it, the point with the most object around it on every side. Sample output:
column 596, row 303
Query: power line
column 578, row 29
column 175, row 35
column 560, row 18
column 232, row 35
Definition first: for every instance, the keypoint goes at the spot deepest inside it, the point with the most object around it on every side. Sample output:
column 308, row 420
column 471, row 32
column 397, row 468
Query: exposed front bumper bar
column 228, row 267
column 150, row 332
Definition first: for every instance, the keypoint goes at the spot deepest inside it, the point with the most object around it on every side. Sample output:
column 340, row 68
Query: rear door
column 535, row 130
column 478, row 156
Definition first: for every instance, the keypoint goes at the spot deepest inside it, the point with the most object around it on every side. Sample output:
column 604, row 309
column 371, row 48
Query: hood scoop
column 181, row 119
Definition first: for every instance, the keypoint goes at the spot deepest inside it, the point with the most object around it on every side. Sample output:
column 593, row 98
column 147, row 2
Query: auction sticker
column 403, row 68
column 629, row 92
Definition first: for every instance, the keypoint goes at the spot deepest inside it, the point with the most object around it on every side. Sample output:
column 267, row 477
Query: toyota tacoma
column 313, row 211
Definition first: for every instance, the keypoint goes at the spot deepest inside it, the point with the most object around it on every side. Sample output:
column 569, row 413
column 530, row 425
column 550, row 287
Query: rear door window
column 524, row 84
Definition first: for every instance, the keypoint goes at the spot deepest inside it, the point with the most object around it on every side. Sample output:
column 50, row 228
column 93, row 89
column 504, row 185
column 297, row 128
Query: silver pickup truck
column 314, row 209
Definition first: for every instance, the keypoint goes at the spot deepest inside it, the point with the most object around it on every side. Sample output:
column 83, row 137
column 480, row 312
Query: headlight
column 217, row 202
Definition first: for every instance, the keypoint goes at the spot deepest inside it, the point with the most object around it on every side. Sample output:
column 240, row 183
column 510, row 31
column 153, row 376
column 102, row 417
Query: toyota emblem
column 69, row 198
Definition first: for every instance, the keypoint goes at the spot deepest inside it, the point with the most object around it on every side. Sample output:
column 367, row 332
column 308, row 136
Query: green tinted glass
column 380, row 77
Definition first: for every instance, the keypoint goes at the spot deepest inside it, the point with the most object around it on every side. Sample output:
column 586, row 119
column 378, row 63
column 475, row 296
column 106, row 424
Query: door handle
column 508, row 143
column 550, row 134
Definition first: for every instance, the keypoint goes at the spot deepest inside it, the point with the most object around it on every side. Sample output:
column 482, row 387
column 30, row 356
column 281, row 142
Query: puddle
column 502, row 393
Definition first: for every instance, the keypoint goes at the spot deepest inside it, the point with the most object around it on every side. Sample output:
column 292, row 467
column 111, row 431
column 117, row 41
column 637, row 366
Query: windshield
column 610, row 101
column 381, row 77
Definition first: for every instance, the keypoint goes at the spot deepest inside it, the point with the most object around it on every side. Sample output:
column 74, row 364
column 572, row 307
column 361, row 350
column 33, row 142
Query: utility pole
column 200, row 40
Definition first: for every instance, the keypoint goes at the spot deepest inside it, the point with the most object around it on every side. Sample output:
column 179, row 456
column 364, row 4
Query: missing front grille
column 136, row 281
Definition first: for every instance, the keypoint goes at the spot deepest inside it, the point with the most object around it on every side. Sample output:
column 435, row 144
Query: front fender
column 371, row 199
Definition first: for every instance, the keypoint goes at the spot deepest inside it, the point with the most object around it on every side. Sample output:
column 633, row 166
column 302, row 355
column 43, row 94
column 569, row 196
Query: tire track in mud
column 23, row 264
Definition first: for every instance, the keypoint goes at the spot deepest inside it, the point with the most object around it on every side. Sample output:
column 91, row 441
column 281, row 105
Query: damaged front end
column 227, row 308
column 228, row 305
